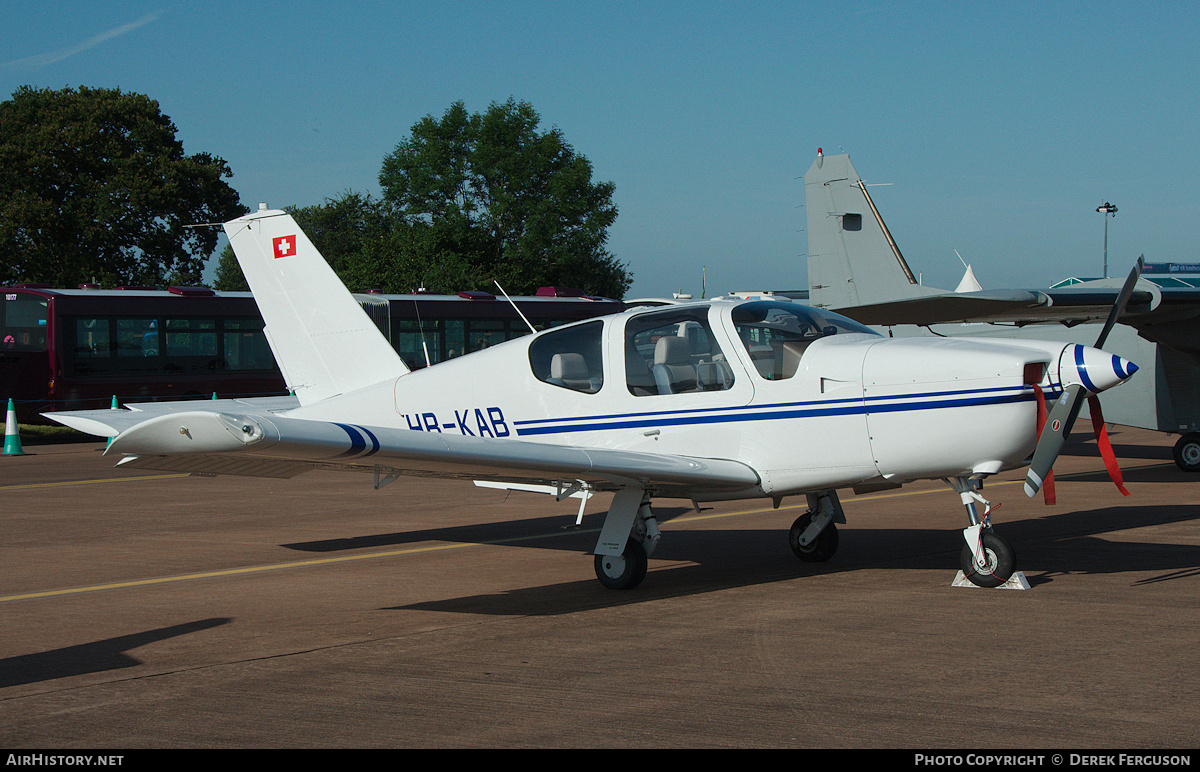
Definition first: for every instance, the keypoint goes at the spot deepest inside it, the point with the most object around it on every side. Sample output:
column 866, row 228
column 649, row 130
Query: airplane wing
column 1072, row 305
column 266, row 444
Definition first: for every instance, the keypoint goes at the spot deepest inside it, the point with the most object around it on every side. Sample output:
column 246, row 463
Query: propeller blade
column 1058, row 428
column 1048, row 478
column 1066, row 407
column 1106, row 450
column 1122, row 298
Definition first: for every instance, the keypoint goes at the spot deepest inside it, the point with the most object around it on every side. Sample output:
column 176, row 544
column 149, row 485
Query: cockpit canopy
column 776, row 334
column 675, row 350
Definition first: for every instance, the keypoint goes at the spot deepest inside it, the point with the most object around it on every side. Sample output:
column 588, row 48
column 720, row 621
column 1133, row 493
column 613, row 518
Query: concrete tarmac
column 142, row 610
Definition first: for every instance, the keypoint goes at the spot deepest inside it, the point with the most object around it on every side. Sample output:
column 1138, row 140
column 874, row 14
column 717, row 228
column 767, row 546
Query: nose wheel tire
column 820, row 549
column 1000, row 558
column 624, row 571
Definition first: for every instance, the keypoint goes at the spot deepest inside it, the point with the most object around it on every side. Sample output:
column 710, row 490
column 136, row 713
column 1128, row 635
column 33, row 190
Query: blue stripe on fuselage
column 785, row 410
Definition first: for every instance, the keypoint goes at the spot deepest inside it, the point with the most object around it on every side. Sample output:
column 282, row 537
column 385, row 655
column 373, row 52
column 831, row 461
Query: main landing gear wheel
column 1187, row 452
column 821, row 548
column 1001, row 562
column 624, row 571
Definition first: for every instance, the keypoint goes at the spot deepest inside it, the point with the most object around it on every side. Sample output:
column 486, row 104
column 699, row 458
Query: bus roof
column 148, row 292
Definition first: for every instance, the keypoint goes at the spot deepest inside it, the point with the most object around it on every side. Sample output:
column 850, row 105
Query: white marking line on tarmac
column 437, row 547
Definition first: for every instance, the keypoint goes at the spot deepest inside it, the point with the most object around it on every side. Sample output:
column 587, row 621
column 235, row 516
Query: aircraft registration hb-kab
column 707, row 401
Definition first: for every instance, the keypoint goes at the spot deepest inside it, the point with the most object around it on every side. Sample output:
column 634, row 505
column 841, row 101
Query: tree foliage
column 95, row 185
column 483, row 197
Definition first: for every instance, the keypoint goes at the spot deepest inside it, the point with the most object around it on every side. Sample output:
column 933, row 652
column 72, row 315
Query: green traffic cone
column 12, row 436
column 115, row 406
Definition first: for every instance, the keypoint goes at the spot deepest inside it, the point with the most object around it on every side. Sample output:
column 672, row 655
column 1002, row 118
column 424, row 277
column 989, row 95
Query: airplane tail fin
column 323, row 341
column 852, row 258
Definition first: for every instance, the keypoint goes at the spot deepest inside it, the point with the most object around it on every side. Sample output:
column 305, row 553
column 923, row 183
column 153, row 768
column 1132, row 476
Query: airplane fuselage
column 858, row 407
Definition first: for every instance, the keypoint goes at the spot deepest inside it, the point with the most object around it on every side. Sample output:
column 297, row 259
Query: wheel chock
column 1015, row 582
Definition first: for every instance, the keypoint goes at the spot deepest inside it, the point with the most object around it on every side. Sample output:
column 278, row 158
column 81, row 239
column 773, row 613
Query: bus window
column 138, row 338
column 485, row 333
column 569, row 358
column 245, row 345
column 456, row 337
column 91, row 338
column 191, row 337
column 23, row 323
column 413, row 339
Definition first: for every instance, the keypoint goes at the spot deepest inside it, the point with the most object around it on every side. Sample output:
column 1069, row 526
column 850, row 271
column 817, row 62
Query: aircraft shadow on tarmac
column 1048, row 548
column 94, row 657
column 1052, row 545
column 1082, row 444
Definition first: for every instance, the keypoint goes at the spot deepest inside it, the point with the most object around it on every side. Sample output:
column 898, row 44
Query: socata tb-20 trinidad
column 707, row 401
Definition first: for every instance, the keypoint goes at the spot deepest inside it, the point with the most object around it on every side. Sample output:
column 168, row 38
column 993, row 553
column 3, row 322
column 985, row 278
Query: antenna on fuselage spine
column 514, row 305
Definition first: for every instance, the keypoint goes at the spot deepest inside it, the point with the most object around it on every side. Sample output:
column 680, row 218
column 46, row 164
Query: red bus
column 64, row 349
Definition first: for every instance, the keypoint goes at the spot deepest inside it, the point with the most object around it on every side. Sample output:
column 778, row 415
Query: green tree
column 367, row 246
column 95, row 185
column 228, row 276
column 491, row 197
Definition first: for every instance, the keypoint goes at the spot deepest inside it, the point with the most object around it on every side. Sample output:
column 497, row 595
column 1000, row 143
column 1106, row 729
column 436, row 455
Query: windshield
column 776, row 333
column 23, row 322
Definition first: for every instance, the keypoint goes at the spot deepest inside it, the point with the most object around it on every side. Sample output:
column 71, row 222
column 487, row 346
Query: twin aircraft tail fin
column 323, row 341
column 852, row 258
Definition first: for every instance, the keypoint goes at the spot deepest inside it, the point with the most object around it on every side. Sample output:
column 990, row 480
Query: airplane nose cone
column 1097, row 370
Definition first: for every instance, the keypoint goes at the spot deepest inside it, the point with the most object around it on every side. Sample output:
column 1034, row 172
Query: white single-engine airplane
column 707, row 401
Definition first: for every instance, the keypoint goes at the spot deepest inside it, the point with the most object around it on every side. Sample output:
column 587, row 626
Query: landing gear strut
column 986, row 559
column 631, row 519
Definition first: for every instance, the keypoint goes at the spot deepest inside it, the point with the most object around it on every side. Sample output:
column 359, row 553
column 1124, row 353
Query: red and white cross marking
column 284, row 246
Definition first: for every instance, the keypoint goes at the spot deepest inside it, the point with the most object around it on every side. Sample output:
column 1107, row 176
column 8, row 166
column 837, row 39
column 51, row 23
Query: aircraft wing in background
column 1068, row 305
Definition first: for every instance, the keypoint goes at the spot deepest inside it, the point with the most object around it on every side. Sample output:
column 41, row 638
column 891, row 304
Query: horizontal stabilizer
column 107, row 422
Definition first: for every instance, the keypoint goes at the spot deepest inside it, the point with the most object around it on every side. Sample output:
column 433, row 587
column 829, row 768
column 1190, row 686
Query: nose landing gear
column 986, row 559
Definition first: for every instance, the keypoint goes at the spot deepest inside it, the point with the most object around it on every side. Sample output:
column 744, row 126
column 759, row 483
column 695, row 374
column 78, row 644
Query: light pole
column 1106, row 209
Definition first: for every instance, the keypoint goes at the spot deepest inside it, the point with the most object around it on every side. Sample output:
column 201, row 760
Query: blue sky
column 1000, row 127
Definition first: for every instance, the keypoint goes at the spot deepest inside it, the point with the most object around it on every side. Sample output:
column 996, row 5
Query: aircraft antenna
column 514, row 305
column 421, row 327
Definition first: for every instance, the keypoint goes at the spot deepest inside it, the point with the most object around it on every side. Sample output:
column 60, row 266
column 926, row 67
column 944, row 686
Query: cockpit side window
column 569, row 357
column 674, row 352
column 776, row 334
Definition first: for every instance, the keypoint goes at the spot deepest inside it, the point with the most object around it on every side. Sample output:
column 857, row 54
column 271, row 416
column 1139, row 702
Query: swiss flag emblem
column 284, row 246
